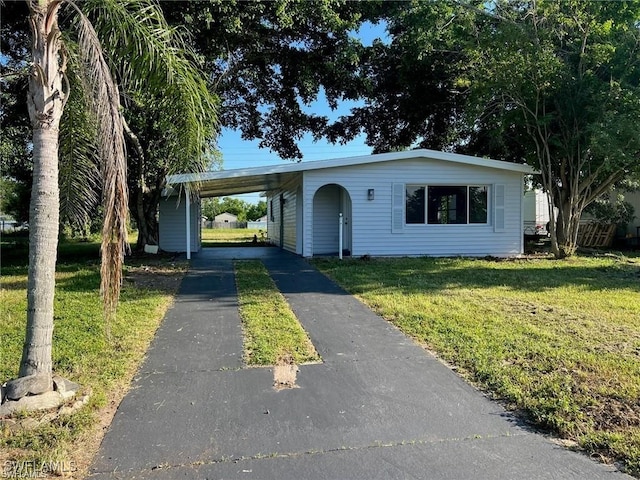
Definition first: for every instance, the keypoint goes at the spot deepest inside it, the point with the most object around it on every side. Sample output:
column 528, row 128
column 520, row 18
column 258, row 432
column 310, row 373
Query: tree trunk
column 143, row 208
column 564, row 236
column 43, row 246
column 45, row 110
column 143, row 233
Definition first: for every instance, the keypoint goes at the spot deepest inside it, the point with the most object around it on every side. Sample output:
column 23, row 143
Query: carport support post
column 187, row 204
column 340, row 238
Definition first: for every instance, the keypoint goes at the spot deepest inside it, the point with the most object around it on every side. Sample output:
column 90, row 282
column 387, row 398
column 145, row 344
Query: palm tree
column 170, row 113
column 138, row 28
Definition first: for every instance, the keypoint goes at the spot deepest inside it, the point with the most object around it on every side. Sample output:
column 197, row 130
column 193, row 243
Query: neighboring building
column 536, row 212
column 260, row 223
column 419, row 202
column 633, row 228
column 8, row 224
column 225, row 217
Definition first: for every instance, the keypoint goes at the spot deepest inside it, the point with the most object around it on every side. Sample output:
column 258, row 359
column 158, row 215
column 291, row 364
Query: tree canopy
column 271, row 60
column 557, row 84
column 243, row 210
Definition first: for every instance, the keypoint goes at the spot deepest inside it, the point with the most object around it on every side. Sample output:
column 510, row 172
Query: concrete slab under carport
column 378, row 406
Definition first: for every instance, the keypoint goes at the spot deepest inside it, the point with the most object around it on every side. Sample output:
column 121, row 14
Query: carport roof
column 260, row 179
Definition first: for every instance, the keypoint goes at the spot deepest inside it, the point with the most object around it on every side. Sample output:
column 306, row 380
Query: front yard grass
column 557, row 341
column 81, row 351
column 272, row 333
column 231, row 237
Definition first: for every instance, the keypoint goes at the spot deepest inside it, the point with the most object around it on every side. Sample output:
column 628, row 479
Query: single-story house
column 418, row 202
column 225, row 217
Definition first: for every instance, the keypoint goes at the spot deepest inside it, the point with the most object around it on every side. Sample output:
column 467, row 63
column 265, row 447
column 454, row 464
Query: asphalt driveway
column 378, row 407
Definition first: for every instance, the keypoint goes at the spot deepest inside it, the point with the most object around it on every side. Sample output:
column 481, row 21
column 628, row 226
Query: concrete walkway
column 379, row 407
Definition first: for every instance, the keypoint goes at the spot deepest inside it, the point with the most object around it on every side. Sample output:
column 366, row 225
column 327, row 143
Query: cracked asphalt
column 378, row 407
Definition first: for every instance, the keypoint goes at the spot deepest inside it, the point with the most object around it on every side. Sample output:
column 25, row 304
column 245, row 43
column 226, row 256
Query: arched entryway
column 329, row 202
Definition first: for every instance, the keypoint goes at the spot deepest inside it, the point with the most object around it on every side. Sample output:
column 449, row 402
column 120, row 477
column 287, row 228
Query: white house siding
column 172, row 225
column 289, row 218
column 371, row 219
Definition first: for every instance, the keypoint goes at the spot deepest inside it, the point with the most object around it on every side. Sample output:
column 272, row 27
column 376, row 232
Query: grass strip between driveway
column 271, row 330
column 558, row 341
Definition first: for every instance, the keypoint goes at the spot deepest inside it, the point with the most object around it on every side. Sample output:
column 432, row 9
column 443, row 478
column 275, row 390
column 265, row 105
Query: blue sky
column 239, row 153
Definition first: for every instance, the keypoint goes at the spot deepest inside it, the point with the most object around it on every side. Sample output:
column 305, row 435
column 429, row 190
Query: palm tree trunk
column 46, row 103
column 43, row 245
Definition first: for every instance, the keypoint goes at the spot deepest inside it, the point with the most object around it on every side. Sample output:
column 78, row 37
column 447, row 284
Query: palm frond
column 105, row 103
column 154, row 61
column 79, row 171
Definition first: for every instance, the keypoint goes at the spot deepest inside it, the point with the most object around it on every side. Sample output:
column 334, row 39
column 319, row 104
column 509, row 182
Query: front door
column 345, row 209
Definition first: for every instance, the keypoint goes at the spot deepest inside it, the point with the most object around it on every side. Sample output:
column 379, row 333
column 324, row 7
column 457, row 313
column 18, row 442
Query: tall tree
column 558, row 83
column 48, row 93
column 171, row 116
column 170, row 112
column 150, row 44
column 271, row 60
column 414, row 95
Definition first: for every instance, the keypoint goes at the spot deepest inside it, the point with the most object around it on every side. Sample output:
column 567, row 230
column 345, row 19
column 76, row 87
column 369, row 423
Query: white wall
column 371, row 220
column 173, row 234
column 289, row 217
column 536, row 207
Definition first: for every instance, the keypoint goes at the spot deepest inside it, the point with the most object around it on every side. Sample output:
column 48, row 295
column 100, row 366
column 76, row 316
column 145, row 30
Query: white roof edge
column 350, row 161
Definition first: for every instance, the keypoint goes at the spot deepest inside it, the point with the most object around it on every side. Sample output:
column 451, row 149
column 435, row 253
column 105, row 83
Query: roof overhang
column 262, row 179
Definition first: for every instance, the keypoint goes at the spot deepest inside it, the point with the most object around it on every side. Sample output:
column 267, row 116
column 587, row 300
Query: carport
column 178, row 227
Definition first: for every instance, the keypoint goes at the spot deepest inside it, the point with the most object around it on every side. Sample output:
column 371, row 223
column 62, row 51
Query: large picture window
column 446, row 204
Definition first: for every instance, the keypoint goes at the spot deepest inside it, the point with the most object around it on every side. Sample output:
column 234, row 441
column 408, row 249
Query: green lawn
column 81, row 352
column 557, row 341
column 272, row 332
column 234, row 237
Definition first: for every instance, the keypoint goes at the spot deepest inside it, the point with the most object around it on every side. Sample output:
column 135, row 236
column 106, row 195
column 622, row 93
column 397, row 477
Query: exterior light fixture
column 370, row 194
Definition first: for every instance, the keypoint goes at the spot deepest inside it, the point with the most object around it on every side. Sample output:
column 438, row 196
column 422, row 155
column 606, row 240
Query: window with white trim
column 446, row 204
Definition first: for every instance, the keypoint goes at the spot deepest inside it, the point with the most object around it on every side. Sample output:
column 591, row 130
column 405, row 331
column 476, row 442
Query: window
column 415, row 205
column 446, row 204
column 478, row 206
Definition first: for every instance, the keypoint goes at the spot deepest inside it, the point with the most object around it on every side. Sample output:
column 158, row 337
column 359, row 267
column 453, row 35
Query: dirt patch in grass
column 285, row 373
column 156, row 277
